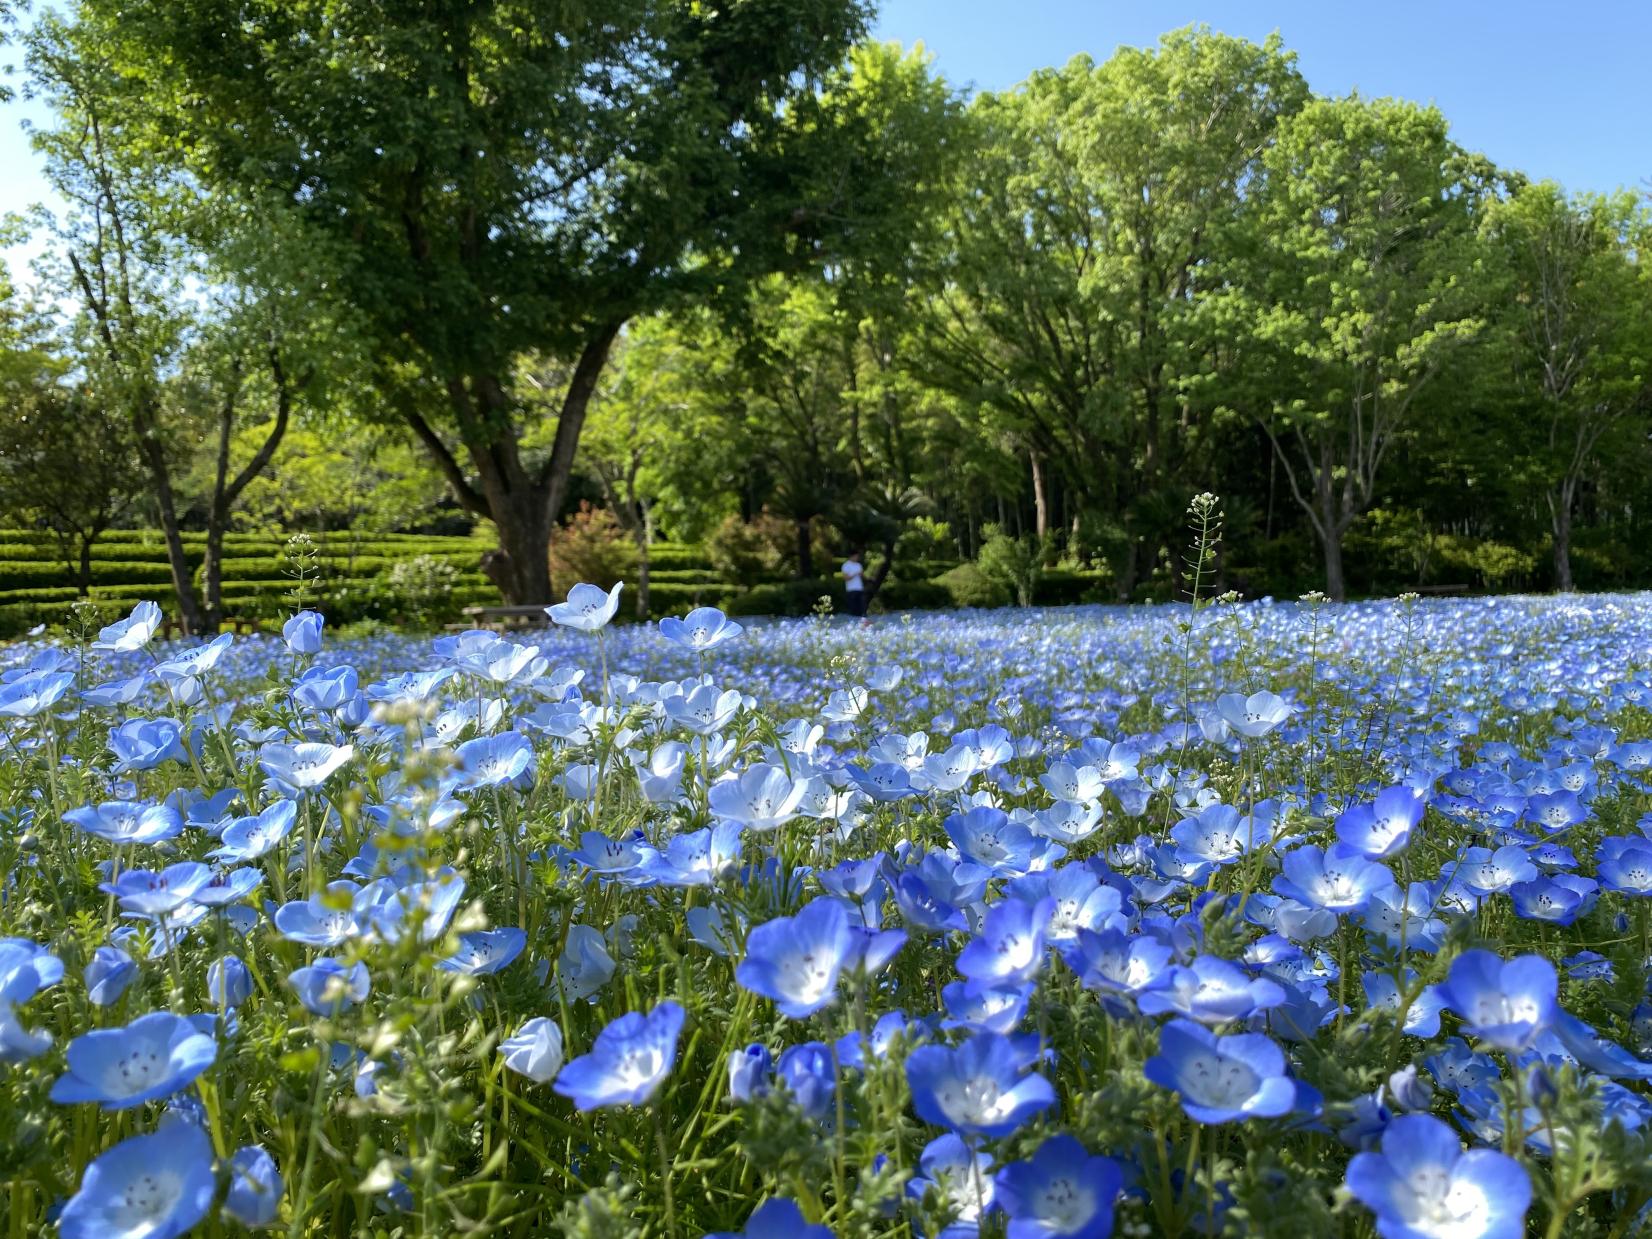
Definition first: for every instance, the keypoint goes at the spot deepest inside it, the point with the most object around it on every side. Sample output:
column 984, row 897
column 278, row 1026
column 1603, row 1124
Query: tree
column 168, row 328
column 1578, row 325
column 489, row 180
column 1350, row 287
column 1096, row 202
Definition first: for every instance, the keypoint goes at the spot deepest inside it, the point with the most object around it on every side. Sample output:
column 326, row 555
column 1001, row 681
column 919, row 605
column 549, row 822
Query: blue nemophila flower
column 982, row 1006
column 1010, row 947
column 749, row 1071
column 1382, row 828
column 587, row 607
column 255, row 1187
column 796, row 960
column 776, row 1219
column 1337, row 879
column 1559, row 900
column 761, row 798
column 494, row 761
column 25, row 970
column 703, row 628
column 144, row 743
column 330, row 988
column 35, row 693
column 1062, row 1190
column 1624, row 865
column 299, row 767
column 1253, row 716
column 959, row 1177
column 1424, row 1186
column 324, row 689
column 809, row 1074
column 124, row 822
column 229, row 984
column 979, row 1088
column 1506, row 1004
column 1212, row 991
column 987, row 836
column 584, row 966
column 302, row 632
column 325, row 919
column 154, row 1056
column 535, row 1050
column 227, row 887
column 486, row 951
column 150, row 893
column 155, row 1186
column 1422, row 1016
column 193, row 664
column 704, row 709
column 1221, row 1079
column 107, row 974
column 248, row 838
column 628, row 1062
column 132, row 633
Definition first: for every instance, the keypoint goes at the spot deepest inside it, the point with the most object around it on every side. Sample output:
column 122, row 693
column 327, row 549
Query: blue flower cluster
column 1240, row 920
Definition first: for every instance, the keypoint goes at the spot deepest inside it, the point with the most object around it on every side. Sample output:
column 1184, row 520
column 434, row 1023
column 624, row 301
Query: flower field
column 1254, row 919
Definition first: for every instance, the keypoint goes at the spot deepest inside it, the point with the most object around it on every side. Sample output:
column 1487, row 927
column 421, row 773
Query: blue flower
column 299, row 767
column 1423, row 1185
column 248, row 838
column 1253, row 716
column 302, row 632
column 535, row 1050
column 796, row 960
column 981, row 1087
column 987, row 837
column 25, row 970
column 958, row 1176
column 587, row 607
column 322, row 689
column 775, row 1219
column 486, row 951
column 255, row 1187
column 328, row 987
column 148, row 893
column 153, row 1057
column 1382, row 828
column 748, row 1072
column 1061, row 1190
column 761, row 798
column 1338, row 879
column 1212, row 991
column 229, row 984
column 144, row 743
column 1504, row 1004
column 124, row 822
column 1010, row 947
column 585, row 965
column 132, row 633
column 34, row 693
column 155, row 1186
column 494, row 761
column 1220, row 1079
column 703, row 628
column 325, row 919
column 809, row 1074
column 629, row 1061
column 107, row 974
column 983, row 1006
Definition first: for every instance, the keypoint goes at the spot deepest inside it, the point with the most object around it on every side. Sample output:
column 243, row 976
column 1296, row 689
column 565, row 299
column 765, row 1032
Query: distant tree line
column 709, row 264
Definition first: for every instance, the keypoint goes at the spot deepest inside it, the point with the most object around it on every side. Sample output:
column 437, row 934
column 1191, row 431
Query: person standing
column 854, row 584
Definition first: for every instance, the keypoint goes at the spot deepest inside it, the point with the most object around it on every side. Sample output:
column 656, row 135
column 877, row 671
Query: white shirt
column 852, row 581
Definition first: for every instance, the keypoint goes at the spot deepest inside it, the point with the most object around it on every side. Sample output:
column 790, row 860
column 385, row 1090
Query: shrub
column 748, row 552
column 967, row 586
column 913, row 596
column 591, row 547
column 1065, row 588
column 1015, row 563
column 786, row 598
column 422, row 588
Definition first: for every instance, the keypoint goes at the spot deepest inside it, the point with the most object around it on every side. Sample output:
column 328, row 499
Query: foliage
column 423, row 588
column 1016, row 564
column 592, row 547
column 967, row 585
column 749, row 551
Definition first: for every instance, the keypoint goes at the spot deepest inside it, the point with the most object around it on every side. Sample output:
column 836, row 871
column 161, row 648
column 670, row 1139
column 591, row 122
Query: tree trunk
column 1330, row 540
column 805, row 548
column 645, row 538
column 166, row 509
column 1560, row 510
column 83, row 575
column 1041, row 501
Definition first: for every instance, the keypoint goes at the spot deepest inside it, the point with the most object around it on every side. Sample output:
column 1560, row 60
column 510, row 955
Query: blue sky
column 1558, row 89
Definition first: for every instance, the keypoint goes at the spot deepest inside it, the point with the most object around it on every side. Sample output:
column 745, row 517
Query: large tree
column 493, row 178
column 1577, row 322
column 1351, row 284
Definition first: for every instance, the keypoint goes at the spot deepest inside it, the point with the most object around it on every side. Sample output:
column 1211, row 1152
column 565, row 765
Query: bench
column 1440, row 589
column 501, row 618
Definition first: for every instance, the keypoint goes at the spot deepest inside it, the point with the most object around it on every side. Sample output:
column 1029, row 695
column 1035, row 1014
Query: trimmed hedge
column 1062, row 588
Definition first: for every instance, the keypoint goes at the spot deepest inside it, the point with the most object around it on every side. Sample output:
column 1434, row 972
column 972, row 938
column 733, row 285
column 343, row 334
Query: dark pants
column 856, row 600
